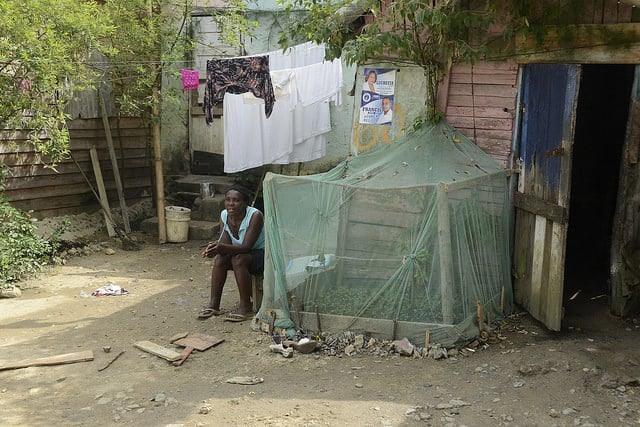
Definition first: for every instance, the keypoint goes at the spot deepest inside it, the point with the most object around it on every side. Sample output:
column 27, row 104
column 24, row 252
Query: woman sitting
column 240, row 248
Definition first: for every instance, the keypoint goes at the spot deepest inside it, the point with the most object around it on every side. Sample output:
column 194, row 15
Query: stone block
column 150, row 226
column 208, row 209
column 203, row 230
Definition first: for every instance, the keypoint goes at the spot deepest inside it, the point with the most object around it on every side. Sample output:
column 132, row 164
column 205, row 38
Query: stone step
column 182, row 198
column 208, row 209
column 191, row 183
column 198, row 230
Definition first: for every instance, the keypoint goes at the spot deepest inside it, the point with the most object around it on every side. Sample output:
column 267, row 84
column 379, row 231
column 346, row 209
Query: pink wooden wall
column 481, row 103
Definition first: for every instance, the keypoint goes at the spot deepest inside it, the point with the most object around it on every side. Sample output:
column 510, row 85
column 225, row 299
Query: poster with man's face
column 377, row 96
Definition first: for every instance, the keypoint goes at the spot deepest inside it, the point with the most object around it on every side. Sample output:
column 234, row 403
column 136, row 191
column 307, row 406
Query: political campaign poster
column 377, row 96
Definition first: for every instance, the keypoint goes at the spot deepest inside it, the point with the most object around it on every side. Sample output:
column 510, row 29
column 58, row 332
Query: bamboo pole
column 155, row 134
column 480, row 316
column 157, row 159
column 105, row 208
column 318, row 318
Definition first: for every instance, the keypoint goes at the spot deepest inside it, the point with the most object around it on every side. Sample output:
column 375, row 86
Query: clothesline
column 284, row 52
column 293, row 129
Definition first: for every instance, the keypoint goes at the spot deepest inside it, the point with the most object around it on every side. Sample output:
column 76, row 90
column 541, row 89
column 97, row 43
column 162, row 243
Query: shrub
column 22, row 251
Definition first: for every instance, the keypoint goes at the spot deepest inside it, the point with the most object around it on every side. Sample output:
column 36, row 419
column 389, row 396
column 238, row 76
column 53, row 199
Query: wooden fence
column 32, row 185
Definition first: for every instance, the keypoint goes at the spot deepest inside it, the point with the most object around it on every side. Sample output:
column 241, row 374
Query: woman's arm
column 213, row 248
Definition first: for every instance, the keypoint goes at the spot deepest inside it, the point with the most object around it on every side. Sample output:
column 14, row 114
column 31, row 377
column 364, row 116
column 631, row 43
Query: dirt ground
column 586, row 375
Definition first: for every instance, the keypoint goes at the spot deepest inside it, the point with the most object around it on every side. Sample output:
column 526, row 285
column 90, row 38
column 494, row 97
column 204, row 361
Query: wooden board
column 200, row 342
column 62, row 359
column 158, row 350
column 47, row 191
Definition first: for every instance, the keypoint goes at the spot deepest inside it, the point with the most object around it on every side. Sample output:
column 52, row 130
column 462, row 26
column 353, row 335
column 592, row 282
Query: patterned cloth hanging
column 237, row 76
column 190, row 79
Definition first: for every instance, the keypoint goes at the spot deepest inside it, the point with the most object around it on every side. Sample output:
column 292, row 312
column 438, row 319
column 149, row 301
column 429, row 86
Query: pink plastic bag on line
column 190, row 79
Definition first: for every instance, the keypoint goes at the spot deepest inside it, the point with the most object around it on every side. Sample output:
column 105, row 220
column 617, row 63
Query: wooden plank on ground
column 62, row 359
column 158, row 350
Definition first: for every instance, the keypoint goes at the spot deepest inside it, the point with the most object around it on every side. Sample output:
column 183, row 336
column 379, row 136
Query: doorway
column 601, row 120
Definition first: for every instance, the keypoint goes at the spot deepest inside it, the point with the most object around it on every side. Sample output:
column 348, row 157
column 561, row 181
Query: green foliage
column 432, row 34
column 49, row 51
column 429, row 34
column 22, row 251
column 44, row 47
column 154, row 38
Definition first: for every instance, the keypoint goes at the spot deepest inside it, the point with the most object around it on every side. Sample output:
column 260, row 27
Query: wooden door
column 625, row 298
column 548, row 103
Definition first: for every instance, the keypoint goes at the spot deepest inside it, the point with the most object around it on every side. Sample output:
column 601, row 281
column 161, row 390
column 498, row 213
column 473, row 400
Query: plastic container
column 178, row 219
column 207, row 189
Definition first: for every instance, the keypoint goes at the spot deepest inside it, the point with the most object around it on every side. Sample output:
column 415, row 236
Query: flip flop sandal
column 206, row 312
column 237, row 317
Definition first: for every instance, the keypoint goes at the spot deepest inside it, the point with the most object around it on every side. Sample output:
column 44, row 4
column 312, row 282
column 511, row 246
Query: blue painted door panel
column 548, row 94
column 548, row 97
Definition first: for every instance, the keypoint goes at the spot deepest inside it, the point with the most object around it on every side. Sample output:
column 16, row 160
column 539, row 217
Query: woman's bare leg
column 240, row 264
column 221, row 264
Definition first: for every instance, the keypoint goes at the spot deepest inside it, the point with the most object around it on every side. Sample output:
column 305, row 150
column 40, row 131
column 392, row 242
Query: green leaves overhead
column 430, row 34
column 51, row 49
column 44, row 49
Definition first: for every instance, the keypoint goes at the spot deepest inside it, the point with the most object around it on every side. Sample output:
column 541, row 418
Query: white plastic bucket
column 177, row 219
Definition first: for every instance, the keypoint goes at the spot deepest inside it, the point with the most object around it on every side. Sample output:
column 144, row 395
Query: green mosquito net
column 410, row 240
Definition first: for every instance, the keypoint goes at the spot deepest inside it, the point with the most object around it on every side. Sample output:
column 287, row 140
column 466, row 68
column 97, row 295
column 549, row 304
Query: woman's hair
column 374, row 74
column 246, row 194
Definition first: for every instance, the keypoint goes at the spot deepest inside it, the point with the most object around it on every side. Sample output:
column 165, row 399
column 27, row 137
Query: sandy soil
column 586, row 375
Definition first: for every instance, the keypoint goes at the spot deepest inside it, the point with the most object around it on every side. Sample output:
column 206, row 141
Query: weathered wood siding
column 481, row 103
column 481, row 98
column 64, row 191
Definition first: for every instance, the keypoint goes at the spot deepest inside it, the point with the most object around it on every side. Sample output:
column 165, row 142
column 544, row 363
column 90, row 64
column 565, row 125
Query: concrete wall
column 347, row 136
column 338, row 146
column 409, row 100
column 174, row 124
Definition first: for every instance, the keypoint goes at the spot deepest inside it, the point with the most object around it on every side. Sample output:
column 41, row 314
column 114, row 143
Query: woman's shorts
column 257, row 262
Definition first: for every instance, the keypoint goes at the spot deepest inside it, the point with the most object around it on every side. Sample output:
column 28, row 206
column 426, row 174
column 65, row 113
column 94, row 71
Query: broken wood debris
column 158, row 350
column 62, row 359
column 111, row 361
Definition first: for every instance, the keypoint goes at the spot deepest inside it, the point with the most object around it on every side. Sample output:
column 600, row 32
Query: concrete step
column 182, row 198
column 208, row 209
column 191, row 183
column 198, row 230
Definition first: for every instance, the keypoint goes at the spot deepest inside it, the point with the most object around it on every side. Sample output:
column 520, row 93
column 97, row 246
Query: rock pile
column 351, row 343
